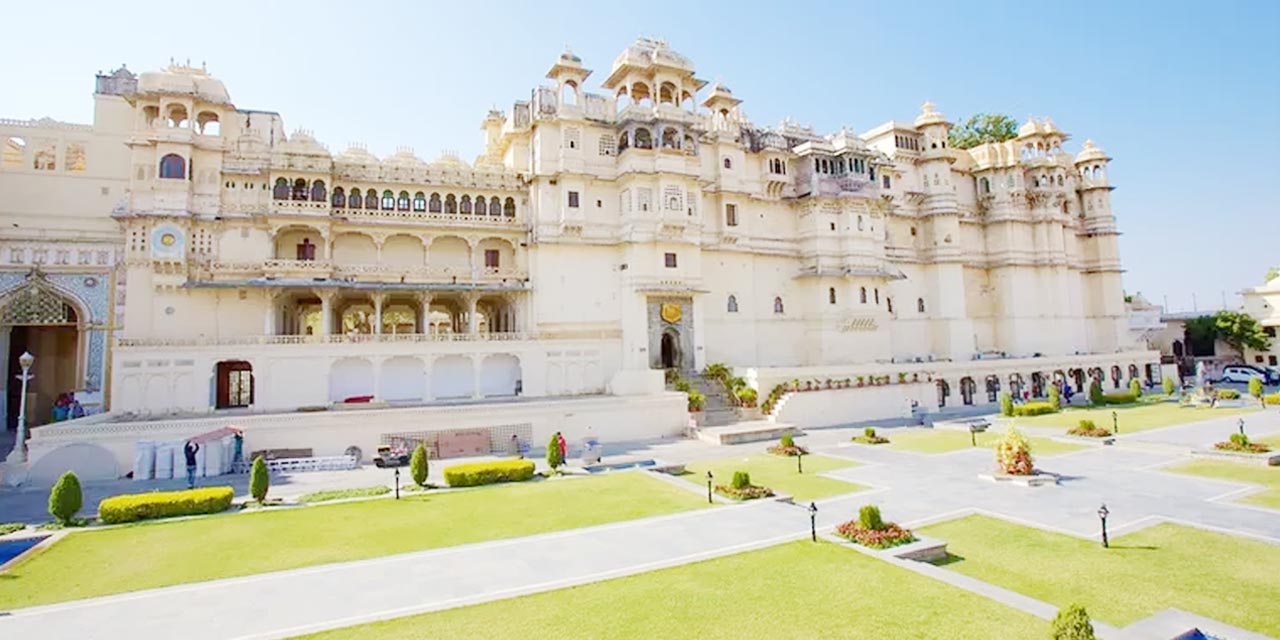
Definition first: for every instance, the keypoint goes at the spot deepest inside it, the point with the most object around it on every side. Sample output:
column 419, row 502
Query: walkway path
column 911, row 488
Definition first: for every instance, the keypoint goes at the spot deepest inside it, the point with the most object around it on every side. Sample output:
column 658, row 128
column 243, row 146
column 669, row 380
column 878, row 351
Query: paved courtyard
column 911, row 488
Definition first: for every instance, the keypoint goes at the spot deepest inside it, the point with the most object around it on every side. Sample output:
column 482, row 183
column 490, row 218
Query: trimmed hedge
column 1033, row 409
column 1119, row 398
column 1271, row 398
column 1228, row 394
column 473, row 474
column 164, row 504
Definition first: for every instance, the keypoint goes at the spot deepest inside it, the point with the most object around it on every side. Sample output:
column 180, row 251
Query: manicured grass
column 1255, row 474
column 9, row 527
column 778, row 473
column 342, row 494
column 143, row 556
column 795, row 590
column 1228, row 578
column 1133, row 418
column 947, row 440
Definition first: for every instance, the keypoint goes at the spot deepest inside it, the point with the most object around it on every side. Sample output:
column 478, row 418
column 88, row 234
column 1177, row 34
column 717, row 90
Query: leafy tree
column 1255, row 387
column 1096, row 397
column 1006, row 404
column 741, row 480
column 259, row 480
column 1135, row 388
column 65, row 498
column 554, row 459
column 1272, row 274
column 1055, row 396
column 1169, row 386
column 418, row 465
column 1072, row 623
column 1201, row 332
column 982, row 128
column 1241, row 331
column 869, row 518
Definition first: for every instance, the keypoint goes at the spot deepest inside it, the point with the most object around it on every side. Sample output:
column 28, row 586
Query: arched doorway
column 670, row 350
column 967, row 389
column 40, row 320
column 944, row 390
column 234, row 384
column 1037, row 384
column 993, row 388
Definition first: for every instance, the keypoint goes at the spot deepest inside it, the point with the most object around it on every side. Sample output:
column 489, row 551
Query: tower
column 1104, row 304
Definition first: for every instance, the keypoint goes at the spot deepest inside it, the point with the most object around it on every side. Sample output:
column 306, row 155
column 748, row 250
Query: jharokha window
column 491, row 258
column 306, row 250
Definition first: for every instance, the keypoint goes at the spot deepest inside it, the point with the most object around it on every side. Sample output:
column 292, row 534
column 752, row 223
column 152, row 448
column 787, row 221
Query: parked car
column 1244, row 373
column 390, row 457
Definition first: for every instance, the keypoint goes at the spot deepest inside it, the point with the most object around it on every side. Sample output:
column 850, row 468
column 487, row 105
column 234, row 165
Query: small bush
column 869, row 436
column 1255, row 387
column 1013, row 454
column 1271, row 398
column 869, row 518
column 1006, row 404
column 716, row 370
column 1055, row 397
column 1095, row 393
column 1088, row 429
column 7, row 528
column 1135, row 388
column 418, row 465
column 554, row 459
column 869, row 432
column 1228, row 394
column 1240, row 439
column 787, row 440
column 340, row 494
column 1119, row 398
column 65, row 498
column 1073, row 623
column 259, row 480
column 1033, row 409
column 741, row 480
column 696, row 400
column 165, row 504
column 747, row 397
column 1169, row 386
column 1240, row 442
column 473, row 474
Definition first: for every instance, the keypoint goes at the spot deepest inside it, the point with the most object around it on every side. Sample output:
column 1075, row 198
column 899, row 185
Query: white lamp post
column 19, row 453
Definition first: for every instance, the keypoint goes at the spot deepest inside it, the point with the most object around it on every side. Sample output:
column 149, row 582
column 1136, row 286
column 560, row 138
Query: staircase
column 718, row 410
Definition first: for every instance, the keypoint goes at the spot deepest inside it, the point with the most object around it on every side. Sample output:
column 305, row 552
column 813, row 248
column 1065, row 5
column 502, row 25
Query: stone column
column 378, row 299
column 424, row 313
column 269, row 317
column 326, row 311
column 473, row 323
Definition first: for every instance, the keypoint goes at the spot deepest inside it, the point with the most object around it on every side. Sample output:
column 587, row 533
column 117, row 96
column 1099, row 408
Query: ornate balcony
column 326, row 269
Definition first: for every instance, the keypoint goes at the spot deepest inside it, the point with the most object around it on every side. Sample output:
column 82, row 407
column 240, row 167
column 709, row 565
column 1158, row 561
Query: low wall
column 834, row 407
column 606, row 418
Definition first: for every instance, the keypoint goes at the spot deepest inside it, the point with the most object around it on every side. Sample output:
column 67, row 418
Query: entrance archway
column 40, row 320
column 967, row 389
column 670, row 350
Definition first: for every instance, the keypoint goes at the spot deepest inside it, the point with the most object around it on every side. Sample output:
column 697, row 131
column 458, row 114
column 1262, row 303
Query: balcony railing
column 282, row 268
column 448, row 219
column 362, row 338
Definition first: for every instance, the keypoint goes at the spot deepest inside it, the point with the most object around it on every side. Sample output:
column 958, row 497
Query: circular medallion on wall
column 90, row 282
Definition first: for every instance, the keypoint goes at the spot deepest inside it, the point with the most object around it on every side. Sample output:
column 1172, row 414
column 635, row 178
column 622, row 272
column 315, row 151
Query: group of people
column 66, row 407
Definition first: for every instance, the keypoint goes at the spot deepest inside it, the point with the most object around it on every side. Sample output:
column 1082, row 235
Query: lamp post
column 813, row 521
column 799, row 464
column 709, row 478
column 1102, row 515
column 397, row 483
column 19, row 453
column 1115, row 422
column 1241, row 423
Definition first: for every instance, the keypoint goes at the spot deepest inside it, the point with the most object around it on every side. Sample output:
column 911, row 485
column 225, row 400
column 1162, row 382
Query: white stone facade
column 598, row 239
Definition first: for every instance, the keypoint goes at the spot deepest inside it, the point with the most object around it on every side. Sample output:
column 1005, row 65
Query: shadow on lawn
column 1135, row 547
column 951, row 558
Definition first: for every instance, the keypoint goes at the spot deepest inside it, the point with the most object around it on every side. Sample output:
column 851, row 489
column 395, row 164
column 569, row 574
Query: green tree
column 65, row 498
column 741, row 480
column 1169, row 386
column 1072, row 623
column 869, row 518
column 1006, row 404
column 259, row 480
column 1241, row 331
column 1055, row 396
column 1201, row 332
column 1272, row 274
column 982, row 128
column 1255, row 387
column 418, row 465
column 1135, row 388
column 554, row 459
column 1096, row 396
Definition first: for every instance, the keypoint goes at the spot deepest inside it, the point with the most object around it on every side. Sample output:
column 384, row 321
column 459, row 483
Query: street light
column 709, row 478
column 1115, row 422
column 397, row 483
column 1241, row 419
column 1102, row 515
column 813, row 521
column 19, row 453
column 799, row 464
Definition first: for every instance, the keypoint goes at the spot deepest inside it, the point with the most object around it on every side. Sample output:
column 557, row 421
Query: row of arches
column 642, row 95
column 176, row 117
column 1040, row 150
column 388, row 200
column 299, row 242
column 1036, row 384
column 669, row 138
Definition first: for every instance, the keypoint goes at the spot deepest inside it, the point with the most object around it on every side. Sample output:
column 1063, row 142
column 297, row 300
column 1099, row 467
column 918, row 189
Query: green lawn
column 1224, row 577
column 947, row 440
column 1133, row 418
column 778, row 473
column 143, row 556
column 796, row 590
column 1266, row 476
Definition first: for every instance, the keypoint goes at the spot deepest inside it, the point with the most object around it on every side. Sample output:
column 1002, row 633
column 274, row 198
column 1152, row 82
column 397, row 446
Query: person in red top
column 564, row 448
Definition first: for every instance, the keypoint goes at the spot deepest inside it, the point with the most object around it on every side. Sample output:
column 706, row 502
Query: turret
column 569, row 76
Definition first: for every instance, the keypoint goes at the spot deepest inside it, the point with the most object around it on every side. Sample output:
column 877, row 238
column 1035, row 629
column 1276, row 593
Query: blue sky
column 1184, row 95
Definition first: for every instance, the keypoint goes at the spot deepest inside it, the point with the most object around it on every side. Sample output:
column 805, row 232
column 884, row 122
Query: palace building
column 184, row 261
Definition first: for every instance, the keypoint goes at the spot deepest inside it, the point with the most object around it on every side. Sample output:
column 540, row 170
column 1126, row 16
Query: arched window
column 889, row 304
column 371, row 199
column 495, row 206
column 777, row 305
column 986, row 185
column 339, row 198
column 173, row 167
column 733, row 304
column 728, row 164
column 862, row 295
column 356, row 201
column 389, row 200
column 831, row 295
column 434, row 205
column 280, row 192
column 464, row 205
column 419, row 201
column 317, row 191
column 920, row 305
column 450, row 204
column 481, row 209
column 644, row 139
column 402, row 201
column 509, row 208
column 300, row 190
column 877, row 292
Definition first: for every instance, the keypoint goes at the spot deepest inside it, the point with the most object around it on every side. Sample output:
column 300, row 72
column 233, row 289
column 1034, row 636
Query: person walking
column 189, row 450
column 513, row 447
column 564, row 447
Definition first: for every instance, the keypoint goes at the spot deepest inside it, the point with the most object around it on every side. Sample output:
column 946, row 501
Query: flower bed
column 869, row 437
column 1013, row 454
column 784, row 450
column 749, row 492
column 870, row 531
column 1240, row 443
column 1087, row 429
